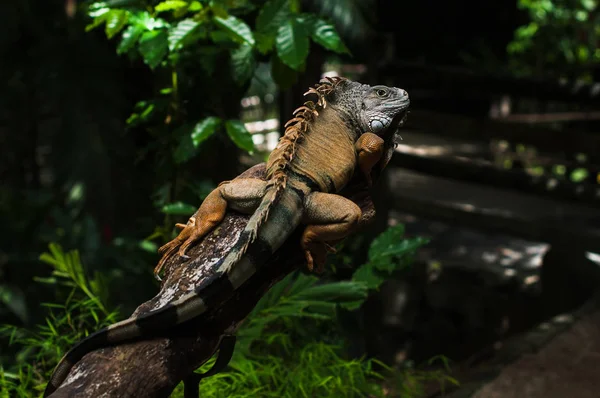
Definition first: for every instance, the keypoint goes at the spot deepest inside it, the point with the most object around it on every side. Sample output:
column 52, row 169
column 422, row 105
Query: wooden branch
column 153, row 368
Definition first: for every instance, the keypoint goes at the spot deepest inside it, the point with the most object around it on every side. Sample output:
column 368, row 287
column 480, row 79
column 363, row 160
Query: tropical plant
column 562, row 35
column 292, row 334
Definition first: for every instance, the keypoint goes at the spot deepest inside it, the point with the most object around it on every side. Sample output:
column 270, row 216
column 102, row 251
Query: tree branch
column 153, row 368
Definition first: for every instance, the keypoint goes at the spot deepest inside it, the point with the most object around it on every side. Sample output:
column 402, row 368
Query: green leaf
column 292, row 43
column 98, row 20
column 264, row 42
column 146, row 20
column 239, row 135
column 370, row 276
column 204, row 129
column 179, row 209
column 181, row 32
column 243, row 63
column 195, row 6
column 273, row 14
column 115, row 22
column 129, row 38
column 148, row 246
column 385, row 240
column 236, row 28
column 170, row 5
column 324, row 33
column 153, row 47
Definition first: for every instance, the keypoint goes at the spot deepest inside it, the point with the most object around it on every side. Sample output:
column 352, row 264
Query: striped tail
column 275, row 219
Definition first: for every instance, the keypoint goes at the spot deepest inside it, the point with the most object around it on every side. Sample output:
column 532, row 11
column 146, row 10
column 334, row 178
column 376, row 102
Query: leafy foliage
column 192, row 111
column 561, row 35
column 84, row 310
column 278, row 353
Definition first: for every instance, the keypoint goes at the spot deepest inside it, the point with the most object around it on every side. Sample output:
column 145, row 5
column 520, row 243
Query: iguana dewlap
column 350, row 127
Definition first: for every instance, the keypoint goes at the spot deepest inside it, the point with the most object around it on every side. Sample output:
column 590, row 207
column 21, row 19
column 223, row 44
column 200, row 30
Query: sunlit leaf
column 292, row 43
column 239, row 135
column 243, row 63
column 170, row 5
column 148, row 246
column 204, row 129
column 195, row 6
column 153, row 47
column 325, row 34
column 237, row 28
column 130, row 36
column 115, row 22
column 146, row 20
column 98, row 20
column 181, row 32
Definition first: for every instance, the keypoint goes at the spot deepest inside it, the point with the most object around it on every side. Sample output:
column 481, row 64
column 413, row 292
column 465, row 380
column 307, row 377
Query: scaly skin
column 350, row 127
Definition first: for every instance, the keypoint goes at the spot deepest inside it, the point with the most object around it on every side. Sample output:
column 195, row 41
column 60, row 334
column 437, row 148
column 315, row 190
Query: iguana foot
column 167, row 251
column 316, row 254
column 370, row 148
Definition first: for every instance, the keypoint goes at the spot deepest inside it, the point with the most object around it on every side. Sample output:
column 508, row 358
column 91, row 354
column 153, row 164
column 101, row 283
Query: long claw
column 309, row 260
column 183, row 248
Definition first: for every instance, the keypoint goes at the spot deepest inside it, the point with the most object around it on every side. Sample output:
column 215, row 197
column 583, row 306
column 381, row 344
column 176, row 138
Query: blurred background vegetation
column 118, row 117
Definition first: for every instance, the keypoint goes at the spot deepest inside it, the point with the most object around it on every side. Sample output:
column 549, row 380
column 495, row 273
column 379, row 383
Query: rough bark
column 152, row 368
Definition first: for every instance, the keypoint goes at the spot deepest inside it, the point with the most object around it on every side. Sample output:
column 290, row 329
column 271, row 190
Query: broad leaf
column 147, row 21
column 115, row 22
column 204, row 129
column 243, row 63
column 179, row 208
column 129, row 38
column 180, row 32
column 98, row 20
column 324, row 33
column 153, row 47
column 239, row 135
column 273, row 14
column 292, row 43
column 236, row 28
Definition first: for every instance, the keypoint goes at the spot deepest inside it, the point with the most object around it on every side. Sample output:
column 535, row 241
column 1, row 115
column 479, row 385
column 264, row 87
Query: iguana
column 351, row 126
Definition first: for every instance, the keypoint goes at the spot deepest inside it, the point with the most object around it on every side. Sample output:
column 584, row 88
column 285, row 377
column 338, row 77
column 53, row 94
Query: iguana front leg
column 243, row 195
column 329, row 217
column 370, row 148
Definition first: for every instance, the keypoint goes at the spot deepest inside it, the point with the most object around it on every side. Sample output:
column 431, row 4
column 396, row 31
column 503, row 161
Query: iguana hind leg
column 243, row 195
column 370, row 148
column 329, row 218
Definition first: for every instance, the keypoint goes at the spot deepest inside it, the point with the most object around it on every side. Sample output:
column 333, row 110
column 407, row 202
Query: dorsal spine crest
column 297, row 127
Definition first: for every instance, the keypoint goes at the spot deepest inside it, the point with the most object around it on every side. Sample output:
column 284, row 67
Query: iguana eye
column 381, row 92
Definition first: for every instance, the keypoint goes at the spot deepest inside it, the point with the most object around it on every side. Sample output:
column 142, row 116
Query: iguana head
column 378, row 109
